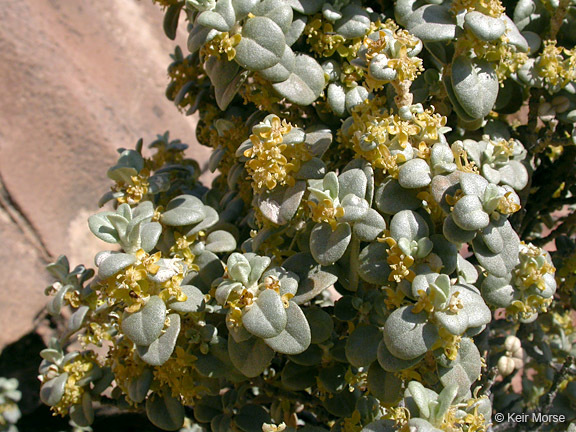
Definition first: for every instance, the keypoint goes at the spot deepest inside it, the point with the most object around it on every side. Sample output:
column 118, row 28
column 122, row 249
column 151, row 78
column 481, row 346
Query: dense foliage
column 373, row 252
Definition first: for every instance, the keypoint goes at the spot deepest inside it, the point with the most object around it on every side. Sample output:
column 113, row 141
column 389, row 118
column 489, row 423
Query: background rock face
column 78, row 79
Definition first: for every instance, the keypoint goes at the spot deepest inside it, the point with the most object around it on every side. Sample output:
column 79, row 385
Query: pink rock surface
column 78, row 79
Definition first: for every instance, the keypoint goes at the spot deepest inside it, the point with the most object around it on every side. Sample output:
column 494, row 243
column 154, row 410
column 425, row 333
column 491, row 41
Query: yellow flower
column 272, row 162
column 399, row 262
column 181, row 248
column 125, row 364
column 133, row 192
column 395, row 298
column 325, row 42
column 387, row 140
column 76, row 370
column 449, row 342
column 325, row 211
column 553, row 67
column 222, row 43
column 507, row 204
column 491, row 8
column 179, row 374
column 407, row 68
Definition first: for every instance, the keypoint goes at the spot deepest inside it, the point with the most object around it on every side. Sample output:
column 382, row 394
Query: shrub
column 371, row 254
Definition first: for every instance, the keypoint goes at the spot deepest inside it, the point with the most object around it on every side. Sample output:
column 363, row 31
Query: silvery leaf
column 369, row 226
column 194, row 302
column 408, row 224
column 373, row 267
column 485, row 27
column 262, row 44
column 391, row 198
column 296, row 29
column 280, row 13
column 102, row 228
column 352, row 181
column 336, row 97
column 475, row 86
column 183, row 210
column 52, row 391
column 220, row 241
column 328, row 246
column 139, row 385
column 414, row 174
column 113, row 263
column 305, row 83
column 281, row 71
column 313, row 280
column 250, row 357
column 418, row 335
column 145, row 326
column 295, row 338
column 149, row 235
column 391, row 363
column 266, row 317
column 362, row 345
column 469, row 214
column 82, row 414
column 159, row 351
column 354, row 23
column 306, row 7
column 280, row 205
column 432, row 23
column 222, row 18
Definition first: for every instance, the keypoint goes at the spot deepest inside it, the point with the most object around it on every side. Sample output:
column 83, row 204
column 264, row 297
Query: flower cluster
column 556, row 65
column 388, row 140
column 272, row 162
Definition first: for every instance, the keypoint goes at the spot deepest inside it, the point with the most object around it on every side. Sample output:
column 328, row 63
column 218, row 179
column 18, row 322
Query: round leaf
column 183, row 210
column 418, row 335
column 250, row 357
column 145, row 326
column 194, row 300
column 475, row 86
column 295, row 338
column 113, row 263
column 159, row 351
column 251, row 418
column 262, row 44
column 305, row 83
column 266, row 317
column 362, row 345
column 52, row 391
column 165, row 411
column 328, row 246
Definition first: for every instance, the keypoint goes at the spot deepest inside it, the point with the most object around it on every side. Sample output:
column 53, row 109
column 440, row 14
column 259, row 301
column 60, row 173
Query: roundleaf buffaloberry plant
column 373, row 254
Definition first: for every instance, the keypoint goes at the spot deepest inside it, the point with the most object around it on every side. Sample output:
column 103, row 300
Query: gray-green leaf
column 328, row 246
column 305, row 83
column 295, row 338
column 145, row 326
column 159, row 351
column 250, row 357
column 266, row 317
column 262, row 44
column 165, row 411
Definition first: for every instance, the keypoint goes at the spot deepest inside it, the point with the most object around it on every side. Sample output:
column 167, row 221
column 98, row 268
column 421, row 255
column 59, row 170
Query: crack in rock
column 23, row 224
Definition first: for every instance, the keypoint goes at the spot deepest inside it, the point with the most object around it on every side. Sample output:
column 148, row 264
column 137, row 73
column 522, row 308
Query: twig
column 559, row 376
column 558, row 18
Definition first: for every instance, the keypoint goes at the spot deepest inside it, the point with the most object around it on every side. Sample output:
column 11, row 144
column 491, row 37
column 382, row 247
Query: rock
column 84, row 78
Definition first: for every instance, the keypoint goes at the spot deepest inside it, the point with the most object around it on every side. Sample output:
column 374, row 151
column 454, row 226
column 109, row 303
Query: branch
column 558, row 18
column 559, row 377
